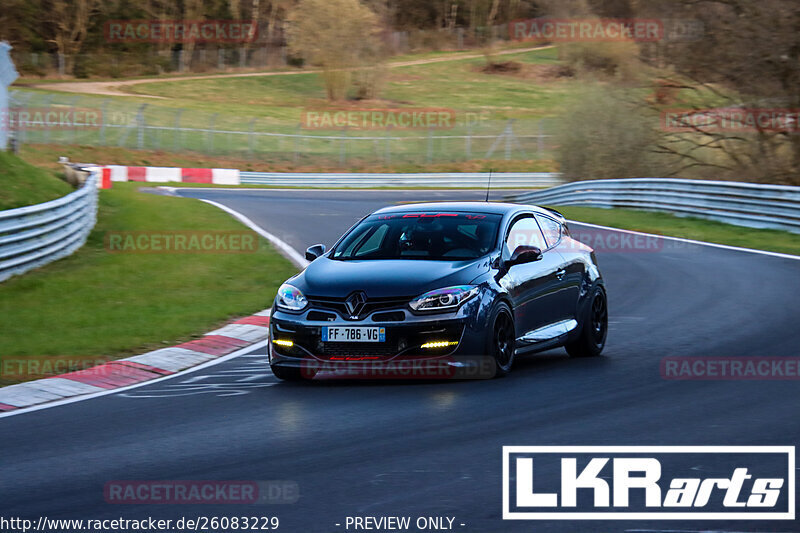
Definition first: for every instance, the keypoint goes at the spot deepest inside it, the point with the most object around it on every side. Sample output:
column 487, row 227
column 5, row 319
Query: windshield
column 432, row 236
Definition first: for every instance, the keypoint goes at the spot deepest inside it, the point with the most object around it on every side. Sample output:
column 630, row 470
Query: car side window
column 551, row 229
column 524, row 232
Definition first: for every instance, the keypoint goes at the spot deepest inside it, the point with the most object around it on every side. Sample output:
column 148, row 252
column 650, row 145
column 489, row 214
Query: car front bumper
column 401, row 355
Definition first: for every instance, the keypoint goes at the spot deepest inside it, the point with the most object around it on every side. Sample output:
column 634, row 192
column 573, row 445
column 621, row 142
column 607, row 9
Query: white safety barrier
column 453, row 180
column 745, row 204
column 213, row 176
column 35, row 235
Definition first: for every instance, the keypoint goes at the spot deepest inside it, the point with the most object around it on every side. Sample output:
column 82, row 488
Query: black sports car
column 452, row 286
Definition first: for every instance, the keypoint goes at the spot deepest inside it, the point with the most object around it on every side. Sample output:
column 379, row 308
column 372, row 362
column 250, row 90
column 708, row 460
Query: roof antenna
column 489, row 185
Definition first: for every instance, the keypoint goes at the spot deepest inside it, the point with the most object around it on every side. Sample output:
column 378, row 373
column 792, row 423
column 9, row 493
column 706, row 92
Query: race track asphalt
column 428, row 448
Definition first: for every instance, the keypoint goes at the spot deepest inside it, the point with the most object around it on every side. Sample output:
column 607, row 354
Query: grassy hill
column 22, row 184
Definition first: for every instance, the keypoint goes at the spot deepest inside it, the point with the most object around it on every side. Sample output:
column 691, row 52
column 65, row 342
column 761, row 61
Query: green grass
column 22, row 184
column 687, row 228
column 46, row 156
column 453, row 84
column 100, row 304
column 483, row 103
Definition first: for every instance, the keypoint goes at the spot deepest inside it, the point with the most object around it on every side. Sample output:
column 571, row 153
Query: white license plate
column 353, row 334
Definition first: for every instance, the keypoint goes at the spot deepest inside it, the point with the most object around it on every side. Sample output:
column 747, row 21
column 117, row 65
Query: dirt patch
column 398, row 77
column 541, row 73
column 503, row 67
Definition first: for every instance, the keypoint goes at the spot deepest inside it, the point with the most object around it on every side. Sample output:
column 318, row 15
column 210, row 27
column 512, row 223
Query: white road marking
column 691, row 241
column 195, row 379
column 284, row 247
column 201, row 366
column 221, row 390
column 243, row 332
column 253, row 377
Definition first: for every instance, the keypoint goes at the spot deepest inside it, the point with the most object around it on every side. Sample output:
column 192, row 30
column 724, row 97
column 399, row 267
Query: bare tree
column 747, row 56
column 337, row 35
column 70, row 26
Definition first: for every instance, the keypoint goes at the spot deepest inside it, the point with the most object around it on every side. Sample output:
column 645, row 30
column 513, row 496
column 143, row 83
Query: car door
column 533, row 287
column 571, row 272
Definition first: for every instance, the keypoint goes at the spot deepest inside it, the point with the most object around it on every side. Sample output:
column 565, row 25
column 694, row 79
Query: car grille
column 358, row 349
column 391, row 316
column 372, row 305
column 321, row 316
column 398, row 340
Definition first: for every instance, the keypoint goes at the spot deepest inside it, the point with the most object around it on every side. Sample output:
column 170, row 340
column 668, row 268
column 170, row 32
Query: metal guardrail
column 443, row 180
column 35, row 235
column 744, row 204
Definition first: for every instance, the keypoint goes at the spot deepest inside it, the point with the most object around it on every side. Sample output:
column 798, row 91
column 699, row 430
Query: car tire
column 285, row 373
column 594, row 327
column 501, row 339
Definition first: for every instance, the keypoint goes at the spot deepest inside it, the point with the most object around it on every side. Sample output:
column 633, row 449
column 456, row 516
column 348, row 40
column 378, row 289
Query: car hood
column 385, row 278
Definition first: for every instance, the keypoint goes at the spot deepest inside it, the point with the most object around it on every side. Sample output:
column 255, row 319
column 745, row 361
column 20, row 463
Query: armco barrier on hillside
column 744, row 204
column 228, row 176
column 35, row 235
column 455, row 180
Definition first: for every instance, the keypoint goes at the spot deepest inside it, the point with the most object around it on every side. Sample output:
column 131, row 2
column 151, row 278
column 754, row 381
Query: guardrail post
column 509, row 135
column 21, row 130
column 48, row 101
column 211, row 132
column 468, row 147
column 250, row 138
column 496, row 142
column 387, row 159
column 178, row 130
column 103, row 109
column 295, row 141
column 140, row 123
column 343, row 148
column 123, row 138
column 539, row 140
column 430, row 144
column 74, row 127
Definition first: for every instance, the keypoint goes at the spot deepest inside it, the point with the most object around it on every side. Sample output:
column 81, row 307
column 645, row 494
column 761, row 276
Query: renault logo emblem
column 355, row 303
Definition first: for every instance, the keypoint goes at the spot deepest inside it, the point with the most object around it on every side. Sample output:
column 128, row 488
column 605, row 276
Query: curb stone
column 239, row 334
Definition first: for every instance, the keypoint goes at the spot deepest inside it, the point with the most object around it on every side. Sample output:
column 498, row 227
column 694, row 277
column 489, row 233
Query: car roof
column 497, row 208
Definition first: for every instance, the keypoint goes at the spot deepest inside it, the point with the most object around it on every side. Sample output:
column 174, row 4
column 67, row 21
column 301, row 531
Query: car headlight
column 446, row 299
column 290, row 297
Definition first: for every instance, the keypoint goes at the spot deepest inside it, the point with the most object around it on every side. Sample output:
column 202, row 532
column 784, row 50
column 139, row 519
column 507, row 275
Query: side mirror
column 525, row 254
column 315, row 251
